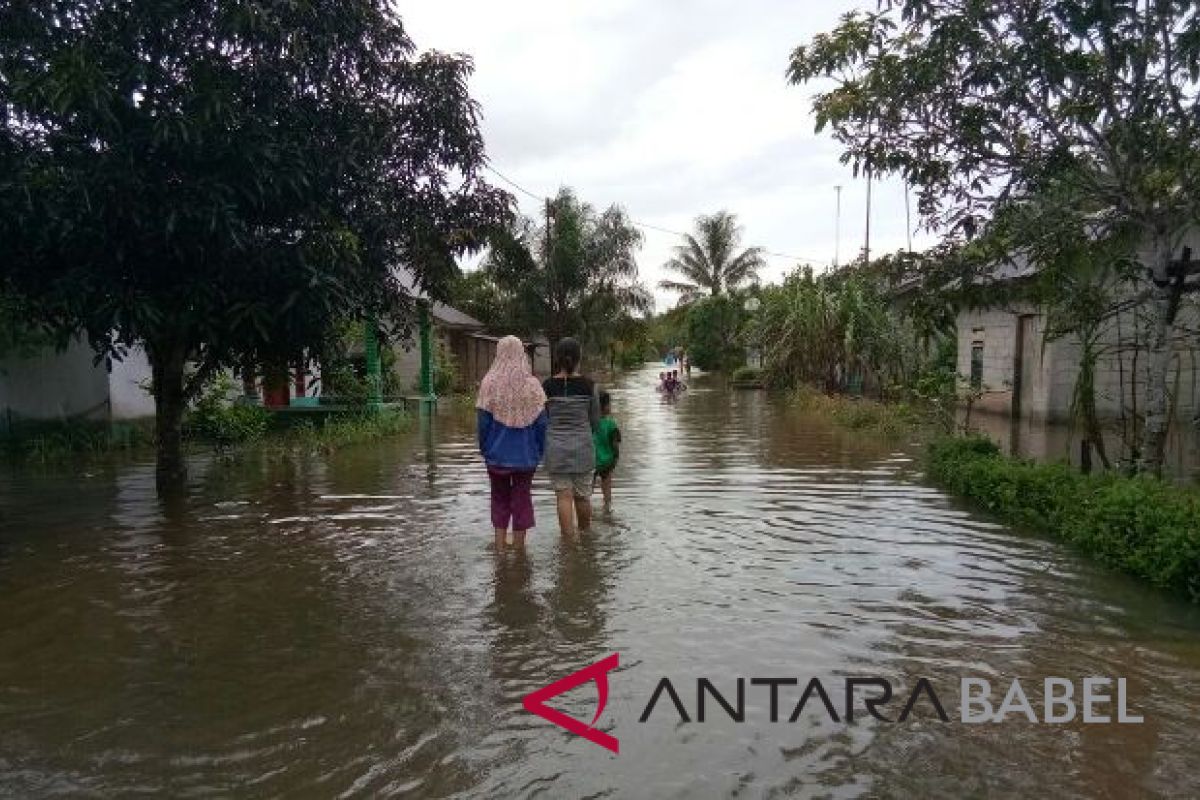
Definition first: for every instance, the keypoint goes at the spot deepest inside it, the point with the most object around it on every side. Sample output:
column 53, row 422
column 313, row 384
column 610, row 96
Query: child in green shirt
column 607, row 442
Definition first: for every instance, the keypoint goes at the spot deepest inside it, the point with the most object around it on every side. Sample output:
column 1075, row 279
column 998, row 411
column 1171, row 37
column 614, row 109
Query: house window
column 977, row 366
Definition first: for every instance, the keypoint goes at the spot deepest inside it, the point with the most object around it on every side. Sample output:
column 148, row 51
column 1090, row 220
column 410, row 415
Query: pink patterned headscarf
column 509, row 390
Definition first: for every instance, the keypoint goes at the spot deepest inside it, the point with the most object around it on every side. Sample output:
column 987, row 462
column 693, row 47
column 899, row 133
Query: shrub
column 1140, row 525
column 346, row 429
column 859, row 414
column 713, row 333
column 344, row 384
column 216, row 420
column 631, row 358
column 50, row 441
column 746, row 375
column 445, row 370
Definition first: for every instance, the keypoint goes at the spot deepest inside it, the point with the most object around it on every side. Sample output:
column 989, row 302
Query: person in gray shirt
column 574, row 410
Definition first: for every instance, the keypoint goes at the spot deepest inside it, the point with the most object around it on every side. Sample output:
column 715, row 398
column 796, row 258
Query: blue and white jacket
column 511, row 448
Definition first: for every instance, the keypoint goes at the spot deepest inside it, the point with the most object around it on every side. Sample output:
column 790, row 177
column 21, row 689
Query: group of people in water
column 564, row 422
column 669, row 384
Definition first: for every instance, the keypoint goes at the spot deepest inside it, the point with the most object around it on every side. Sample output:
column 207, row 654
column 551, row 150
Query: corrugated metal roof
column 451, row 317
column 445, row 315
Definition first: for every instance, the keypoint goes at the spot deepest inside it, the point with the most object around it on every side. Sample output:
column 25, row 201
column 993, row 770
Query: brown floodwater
column 340, row 625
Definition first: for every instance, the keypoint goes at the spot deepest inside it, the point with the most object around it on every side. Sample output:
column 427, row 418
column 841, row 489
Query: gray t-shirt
column 574, row 408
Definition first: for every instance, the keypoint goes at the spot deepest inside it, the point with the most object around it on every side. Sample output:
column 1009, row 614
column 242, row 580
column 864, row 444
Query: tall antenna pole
column 867, row 234
column 837, row 227
column 867, row 237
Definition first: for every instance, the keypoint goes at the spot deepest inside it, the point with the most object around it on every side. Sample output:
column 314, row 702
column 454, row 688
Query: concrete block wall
column 1121, row 376
column 996, row 330
column 1120, row 380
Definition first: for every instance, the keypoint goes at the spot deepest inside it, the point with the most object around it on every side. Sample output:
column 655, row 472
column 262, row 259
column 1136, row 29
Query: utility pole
column 907, row 218
column 837, row 226
column 553, row 333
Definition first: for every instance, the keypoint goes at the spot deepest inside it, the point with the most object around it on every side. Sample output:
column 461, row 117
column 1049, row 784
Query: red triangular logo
column 535, row 702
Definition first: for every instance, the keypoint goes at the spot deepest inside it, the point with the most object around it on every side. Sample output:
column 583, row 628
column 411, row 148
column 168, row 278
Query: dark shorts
column 606, row 470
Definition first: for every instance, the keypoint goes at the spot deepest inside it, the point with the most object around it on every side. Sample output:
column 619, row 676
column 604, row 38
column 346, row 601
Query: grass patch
column 342, row 430
column 861, row 414
column 51, row 441
column 747, row 375
column 1140, row 525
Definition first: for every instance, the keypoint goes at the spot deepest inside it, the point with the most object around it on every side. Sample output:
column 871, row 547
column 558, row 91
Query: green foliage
column 989, row 113
column 578, row 277
column 344, row 366
column 665, row 331
column 345, row 382
column 478, row 294
column 629, row 343
column 710, row 261
column 344, row 430
column 219, row 422
column 884, row 420
column 713, row 333
column 17, row 335
column 746, row 374
column 833, row 329
column 1141, row 525
column 226, row 181
column 445, row 371
column 58, row 441
column 629, row 357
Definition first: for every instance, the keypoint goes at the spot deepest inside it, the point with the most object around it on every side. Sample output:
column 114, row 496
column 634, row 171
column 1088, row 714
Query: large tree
column 223, row 181
column 710, row 260
column 574, row 275
column 983, row 103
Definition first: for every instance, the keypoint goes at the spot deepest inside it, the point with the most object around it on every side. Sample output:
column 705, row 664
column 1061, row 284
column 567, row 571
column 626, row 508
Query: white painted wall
column 128, row 386
column 54, row 385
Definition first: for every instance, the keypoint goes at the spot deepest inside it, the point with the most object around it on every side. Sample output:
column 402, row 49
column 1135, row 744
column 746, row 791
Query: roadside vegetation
column 1072, row 144
column 224, row 424
column 49, row 442
column 217, row 422
column 256, row 192
column 1141, row 525
column 881, row 419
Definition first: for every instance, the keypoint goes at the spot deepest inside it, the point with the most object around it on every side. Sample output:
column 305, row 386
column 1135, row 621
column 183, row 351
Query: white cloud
column 670, row 110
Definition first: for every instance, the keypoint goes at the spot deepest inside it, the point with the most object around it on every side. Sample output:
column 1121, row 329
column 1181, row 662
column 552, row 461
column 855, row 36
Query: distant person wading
column 574, row 409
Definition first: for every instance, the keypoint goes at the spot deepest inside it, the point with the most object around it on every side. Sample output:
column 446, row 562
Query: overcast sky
column 669, row 109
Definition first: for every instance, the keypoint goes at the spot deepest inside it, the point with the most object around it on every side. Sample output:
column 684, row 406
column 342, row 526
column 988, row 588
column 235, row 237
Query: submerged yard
column 340, row 623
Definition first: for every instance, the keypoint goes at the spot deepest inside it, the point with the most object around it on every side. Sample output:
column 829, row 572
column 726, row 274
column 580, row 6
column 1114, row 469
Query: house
column 461, row 338
column 72, row 383
column 1004, row 357
column 458, row 336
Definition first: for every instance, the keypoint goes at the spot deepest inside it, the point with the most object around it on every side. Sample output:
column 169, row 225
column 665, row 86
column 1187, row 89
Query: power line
column 514, row 184
column 647, row 225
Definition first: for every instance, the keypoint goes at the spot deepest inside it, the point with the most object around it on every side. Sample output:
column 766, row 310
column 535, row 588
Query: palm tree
column 710, row 260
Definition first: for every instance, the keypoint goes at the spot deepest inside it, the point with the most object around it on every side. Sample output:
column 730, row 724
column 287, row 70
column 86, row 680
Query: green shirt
column 605, row 440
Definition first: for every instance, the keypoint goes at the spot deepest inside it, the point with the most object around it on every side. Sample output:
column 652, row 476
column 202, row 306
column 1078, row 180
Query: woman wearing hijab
column 511, row 425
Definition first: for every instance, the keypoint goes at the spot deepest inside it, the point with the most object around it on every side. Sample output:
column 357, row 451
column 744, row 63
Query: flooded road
column 341, row 626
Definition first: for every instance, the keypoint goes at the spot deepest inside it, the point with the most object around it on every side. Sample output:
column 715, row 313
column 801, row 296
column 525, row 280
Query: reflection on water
column 342, row 625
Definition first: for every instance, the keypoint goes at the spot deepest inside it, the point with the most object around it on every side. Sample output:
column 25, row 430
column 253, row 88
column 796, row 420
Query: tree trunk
column 1163, row 306
column 167, row 367
column 1086, row 399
